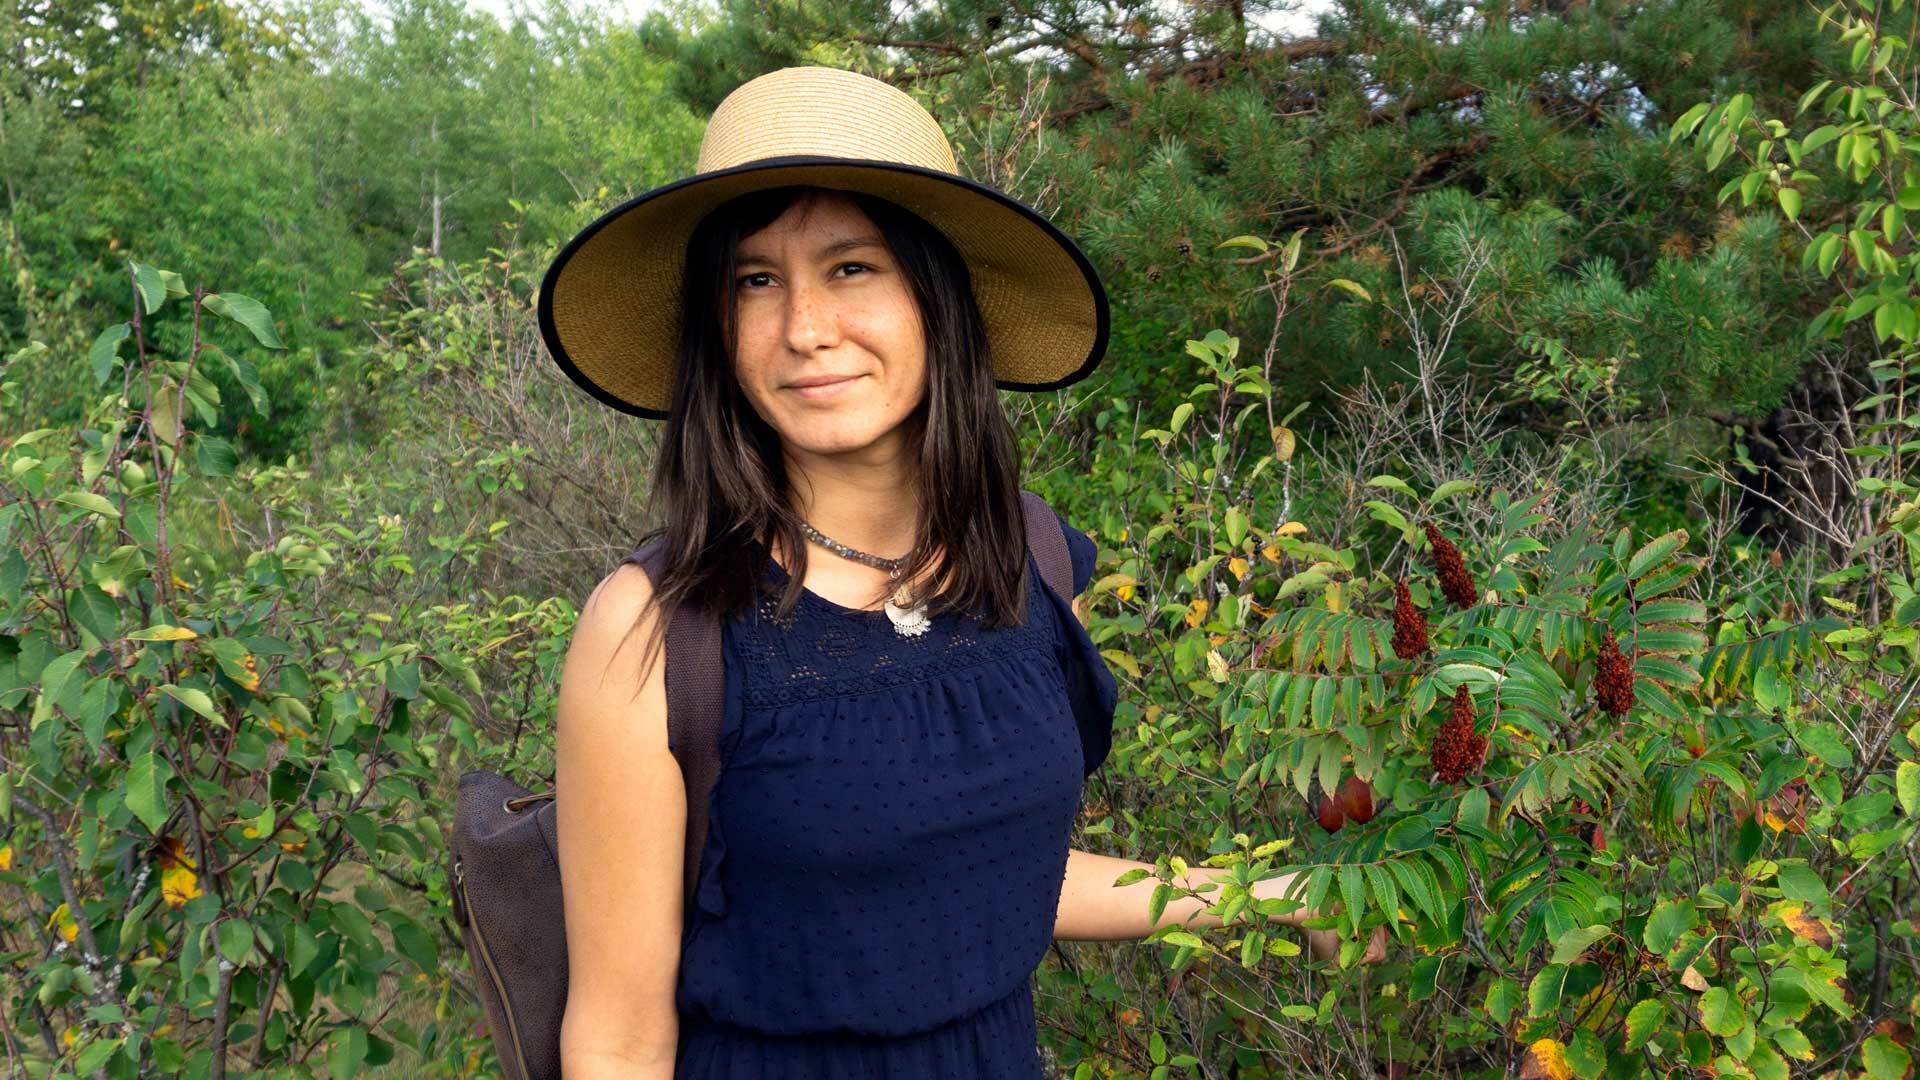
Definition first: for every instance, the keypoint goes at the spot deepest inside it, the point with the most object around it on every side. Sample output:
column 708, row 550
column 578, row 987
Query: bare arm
column 621, row 816
column 1092, row 909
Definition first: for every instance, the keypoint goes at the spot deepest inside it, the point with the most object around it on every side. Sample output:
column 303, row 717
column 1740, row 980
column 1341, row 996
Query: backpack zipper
column 493, row 973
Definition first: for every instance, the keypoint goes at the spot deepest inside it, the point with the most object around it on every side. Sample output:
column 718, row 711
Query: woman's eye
column 748, row 280
column 854, row 266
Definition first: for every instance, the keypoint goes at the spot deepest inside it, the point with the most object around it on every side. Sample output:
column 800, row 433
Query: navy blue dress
column 887, row 840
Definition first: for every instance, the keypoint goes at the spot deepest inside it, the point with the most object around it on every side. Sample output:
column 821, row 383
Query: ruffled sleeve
column 1090, row 685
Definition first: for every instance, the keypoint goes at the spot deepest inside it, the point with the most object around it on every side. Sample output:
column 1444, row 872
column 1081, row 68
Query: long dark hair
column 719, row 483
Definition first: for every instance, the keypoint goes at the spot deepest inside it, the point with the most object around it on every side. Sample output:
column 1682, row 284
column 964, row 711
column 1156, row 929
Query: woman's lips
column 824, row 389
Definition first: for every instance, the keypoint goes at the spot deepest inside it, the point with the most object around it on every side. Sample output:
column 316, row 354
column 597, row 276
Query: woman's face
column 820, row 297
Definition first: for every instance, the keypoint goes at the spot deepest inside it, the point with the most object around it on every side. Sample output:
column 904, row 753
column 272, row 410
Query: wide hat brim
column 609, row 305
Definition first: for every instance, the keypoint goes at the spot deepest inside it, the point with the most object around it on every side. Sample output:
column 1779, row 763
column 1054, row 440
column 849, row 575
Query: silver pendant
column 907, row 621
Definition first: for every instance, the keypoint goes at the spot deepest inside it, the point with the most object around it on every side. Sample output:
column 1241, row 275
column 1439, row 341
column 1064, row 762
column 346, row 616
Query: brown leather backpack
column 504, row 847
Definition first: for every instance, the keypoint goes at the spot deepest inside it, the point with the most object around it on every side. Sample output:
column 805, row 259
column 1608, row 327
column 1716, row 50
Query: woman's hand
column 1322, row 944
column 1325, row 945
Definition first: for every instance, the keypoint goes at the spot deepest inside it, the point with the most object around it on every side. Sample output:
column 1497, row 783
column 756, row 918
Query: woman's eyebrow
column 827, row 251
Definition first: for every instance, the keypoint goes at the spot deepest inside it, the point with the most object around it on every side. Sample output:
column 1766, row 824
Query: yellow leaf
column 67, row 1037
column 1546, row 1060
column 1336, row 599
column 1216, row 666
column 1196, row 611
column 178, row 885
column 163, row 632
column 1239, row 566
column 1291, row 528
column 1270, row 553
column 1124, row 592
column 1693, row 980
column 62, row 920
column 1806, row 926
column 6, row 856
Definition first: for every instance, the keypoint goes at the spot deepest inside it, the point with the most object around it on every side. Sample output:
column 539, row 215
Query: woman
column 822, row 314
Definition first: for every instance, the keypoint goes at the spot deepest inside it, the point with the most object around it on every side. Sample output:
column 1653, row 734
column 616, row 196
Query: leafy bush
column 226, row 743
column 1616, row 824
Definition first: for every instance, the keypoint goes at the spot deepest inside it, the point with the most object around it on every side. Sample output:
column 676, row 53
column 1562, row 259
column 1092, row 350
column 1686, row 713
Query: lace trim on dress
column 784, row 659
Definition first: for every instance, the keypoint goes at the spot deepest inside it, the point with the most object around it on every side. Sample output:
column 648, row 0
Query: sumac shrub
column 1619, row 826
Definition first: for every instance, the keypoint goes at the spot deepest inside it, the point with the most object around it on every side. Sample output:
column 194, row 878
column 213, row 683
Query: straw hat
column 610, row 302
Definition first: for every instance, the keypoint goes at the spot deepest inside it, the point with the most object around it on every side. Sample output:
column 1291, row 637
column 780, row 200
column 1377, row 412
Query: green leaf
column 1642, row 1021
column 1352, row 894
column 1790, row 203
column 1451, row 676
column 153, row 289
column 416, row 944
column 54, row 676
column 1668, row 921
column 1793, row 1044
column 1906, row 779
column 349, row 1050
column 95, row 1056
column 1393, row 483
column 87, row 500
column 197, row 700
column 244, row 374
column 1721, row 1013
column 1655, row 552
column 1474, row 807
column 246, row 311
column 1388, row 514
column 236, row 940
column 217, row 456
column 1353, row 287
column 1821, row 741
column 1587, row 1055
column 1384, row 891
column 1574, row 942
column 94, row 609
column 146, row 789
column 1543, row 996
column 1185, row 939
column 1688, row 120
column 1157, row 903
column 302, row 950
column 1766, row 1064
column 106, row 349
column 1798, row 882
column 1884, row 1058
column 1236, row 525
column 1502, row 998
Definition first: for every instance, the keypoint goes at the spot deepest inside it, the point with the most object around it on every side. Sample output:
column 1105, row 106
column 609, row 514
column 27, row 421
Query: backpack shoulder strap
column 696, row 699
column 1048, row 542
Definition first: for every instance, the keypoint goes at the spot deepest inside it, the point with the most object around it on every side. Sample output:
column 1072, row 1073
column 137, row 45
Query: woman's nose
column 812, row 320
